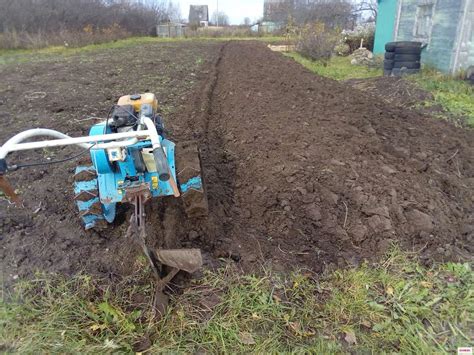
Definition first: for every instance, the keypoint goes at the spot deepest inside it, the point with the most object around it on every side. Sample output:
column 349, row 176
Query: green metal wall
column 384, row 29
column 440, row 52
column 446, row 19
column 466, row 53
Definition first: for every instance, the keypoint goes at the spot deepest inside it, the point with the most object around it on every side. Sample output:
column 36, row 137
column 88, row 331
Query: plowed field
column 301, row 171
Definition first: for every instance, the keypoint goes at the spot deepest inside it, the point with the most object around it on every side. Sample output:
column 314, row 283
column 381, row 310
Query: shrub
column 39, row 23
column 316, row 43
column 89, row 35
column 342, row 49
column 364, row 32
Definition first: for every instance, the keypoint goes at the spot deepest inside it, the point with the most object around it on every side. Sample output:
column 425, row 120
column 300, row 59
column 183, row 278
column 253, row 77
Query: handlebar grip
column 3, row 166
column 161, row 164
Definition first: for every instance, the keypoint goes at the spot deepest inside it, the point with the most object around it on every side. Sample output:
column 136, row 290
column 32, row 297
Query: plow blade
column 189, row 260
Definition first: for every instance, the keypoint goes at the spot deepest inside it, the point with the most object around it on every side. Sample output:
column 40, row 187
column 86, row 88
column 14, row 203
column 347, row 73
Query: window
column 424, row 21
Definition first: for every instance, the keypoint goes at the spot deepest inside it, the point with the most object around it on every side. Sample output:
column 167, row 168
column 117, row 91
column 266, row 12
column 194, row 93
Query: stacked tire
column 402, row 58
column 470, row 74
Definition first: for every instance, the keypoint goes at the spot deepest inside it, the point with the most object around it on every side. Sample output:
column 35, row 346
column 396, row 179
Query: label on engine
column 154, row 182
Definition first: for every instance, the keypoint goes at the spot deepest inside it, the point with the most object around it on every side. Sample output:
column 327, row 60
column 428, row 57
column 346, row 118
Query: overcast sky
column 237, row 10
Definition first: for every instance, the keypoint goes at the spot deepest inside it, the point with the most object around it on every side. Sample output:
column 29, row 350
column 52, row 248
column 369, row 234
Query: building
column 171, row 30
column 199, row 15
column 445, row 26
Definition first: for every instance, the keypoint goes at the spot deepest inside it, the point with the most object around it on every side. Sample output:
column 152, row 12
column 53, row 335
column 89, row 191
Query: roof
column 198, row 13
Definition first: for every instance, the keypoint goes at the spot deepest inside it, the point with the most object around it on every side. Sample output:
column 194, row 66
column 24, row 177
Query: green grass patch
column 338, row 68
column 454, row 95
column 26, row 55
column 394, row 306
column 8, row 56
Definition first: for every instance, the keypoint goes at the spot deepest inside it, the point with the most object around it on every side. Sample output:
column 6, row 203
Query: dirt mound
column 301, row 171
column 306, row 171
column 396, row 91
column 406, row 94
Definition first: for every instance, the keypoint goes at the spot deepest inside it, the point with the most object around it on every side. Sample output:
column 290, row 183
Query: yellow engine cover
column 138, row 100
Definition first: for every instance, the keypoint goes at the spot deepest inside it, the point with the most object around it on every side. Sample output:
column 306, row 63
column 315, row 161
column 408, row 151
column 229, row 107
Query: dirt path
column 301, row 171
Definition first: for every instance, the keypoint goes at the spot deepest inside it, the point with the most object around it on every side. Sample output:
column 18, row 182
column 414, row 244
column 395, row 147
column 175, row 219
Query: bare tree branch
column 50, row 16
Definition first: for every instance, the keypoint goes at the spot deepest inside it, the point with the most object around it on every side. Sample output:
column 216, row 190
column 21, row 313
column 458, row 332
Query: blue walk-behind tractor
column 131, row 162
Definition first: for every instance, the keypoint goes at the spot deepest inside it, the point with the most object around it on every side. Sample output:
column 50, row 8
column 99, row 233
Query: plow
column 131, row 162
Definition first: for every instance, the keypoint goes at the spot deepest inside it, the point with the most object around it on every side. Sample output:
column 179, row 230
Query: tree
column 279, row 11
column 174, row 12
column 220, row 18
column 54, row 16
column 247, row 21
column 332, row 13
column 367, row 6
column 165, row 11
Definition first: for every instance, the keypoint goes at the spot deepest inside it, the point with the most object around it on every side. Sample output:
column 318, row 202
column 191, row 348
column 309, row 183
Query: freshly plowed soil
column 301, row 171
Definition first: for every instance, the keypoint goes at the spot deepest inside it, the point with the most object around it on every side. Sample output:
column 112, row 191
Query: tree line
column 52, row 16
column 332, row 13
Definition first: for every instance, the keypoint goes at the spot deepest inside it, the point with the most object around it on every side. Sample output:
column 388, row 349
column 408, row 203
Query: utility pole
column 217, row 14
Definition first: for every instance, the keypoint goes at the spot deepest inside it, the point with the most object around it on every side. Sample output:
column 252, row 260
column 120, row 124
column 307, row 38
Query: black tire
column 408, row 50
column 389, row 55
column 470, row 74
column 407, row 57
column 409, row 71
column 388, row 64
column 408, row 65
column 390, row 46
column 396, row 72
column 402, row 72
column 405, row 44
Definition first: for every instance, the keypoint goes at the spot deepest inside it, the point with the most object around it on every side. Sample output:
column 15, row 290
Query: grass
column 25, row 55
column 338, row 68
column 395, row 306
column 455, row 96
column 8, row 56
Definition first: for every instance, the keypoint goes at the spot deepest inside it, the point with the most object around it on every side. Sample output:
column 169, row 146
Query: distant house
column 270, row 27
column 445, row 26
column 171, row 30
column 199, row 15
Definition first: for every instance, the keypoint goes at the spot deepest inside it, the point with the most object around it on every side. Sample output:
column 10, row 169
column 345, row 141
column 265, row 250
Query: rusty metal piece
column 137, row 228
column 101, row 225
column 141, row 191
column 94, row 209
column 189, row 260
column 9, row 192
column 86, row 195
column 161, row 301
column 85, row 175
